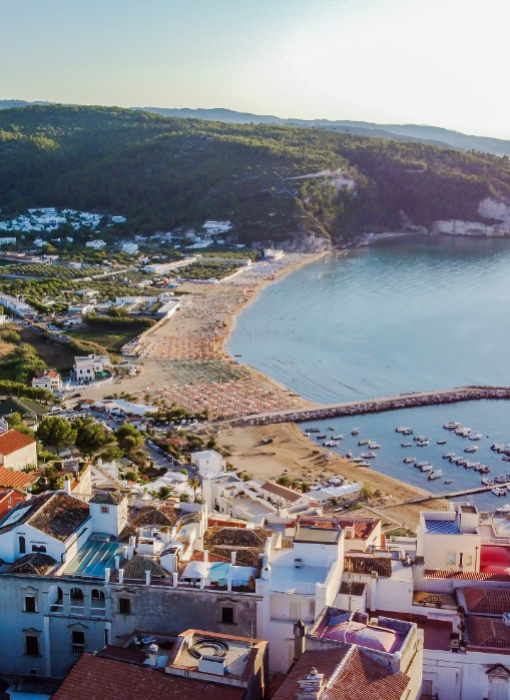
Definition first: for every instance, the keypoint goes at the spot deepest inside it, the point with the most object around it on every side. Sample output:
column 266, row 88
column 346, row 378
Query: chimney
column 117, row 562
column 67, row 486
column 147, row 577
column 299, row 639
column 311, row 687
column 206, row 555
column 233, row 558
column 121, row 575
column 125, row 551
column 153, row 655
column 107, row 575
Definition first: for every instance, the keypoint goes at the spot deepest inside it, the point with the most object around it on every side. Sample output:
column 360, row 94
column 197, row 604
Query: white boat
column 471, row 448
column 498, row 492
column 355, row 431
column 363, row 442
column 452, row 425
column 409, row 460
column 406, row 444
column 374, row 446
column 476, row 436
column 337, row 437
column 449, row 455
column 423, row 443
column 369, row 455
column 435, row 475
column 363, row 464
column 426, row 468
column 419, row 438
column 357, row 460
column 402, row 429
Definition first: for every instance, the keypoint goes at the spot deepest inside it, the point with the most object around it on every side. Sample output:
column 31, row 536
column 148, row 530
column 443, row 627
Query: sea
column 406, row 314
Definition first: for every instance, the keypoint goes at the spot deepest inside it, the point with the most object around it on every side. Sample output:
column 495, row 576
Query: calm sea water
column 400, row 316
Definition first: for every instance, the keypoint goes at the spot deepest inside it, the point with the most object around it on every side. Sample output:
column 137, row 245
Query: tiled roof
column 163, row 514
column 365, row 565
column 490, row 632
column 466, row 575
column 281, row 491
column 349, row 674
column 112, row 498
column 34, row 564
column 12, row 440
column 136, row 567
column 97, row 678
column 362, row 528
column 55, row 514
column 236, row 537
column 17, row 480
column 247, row 556
column 491, row 601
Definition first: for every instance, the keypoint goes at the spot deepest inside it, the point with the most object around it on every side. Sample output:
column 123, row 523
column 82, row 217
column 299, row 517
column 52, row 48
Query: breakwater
column 377, row 405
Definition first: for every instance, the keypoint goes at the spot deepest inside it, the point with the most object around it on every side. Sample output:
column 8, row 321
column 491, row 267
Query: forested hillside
column 164, row 172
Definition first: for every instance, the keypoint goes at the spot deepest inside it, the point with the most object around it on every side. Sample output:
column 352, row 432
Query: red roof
column 487, row 601
column 466, row 576
column 97, row 678
column 11, row 441
column 487, row 632
column 349, row 674
column 17, row 480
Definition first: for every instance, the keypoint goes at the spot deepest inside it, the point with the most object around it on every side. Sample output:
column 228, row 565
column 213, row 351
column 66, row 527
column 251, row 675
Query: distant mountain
column 275, row 183
column 12, row 104
column 406, row 132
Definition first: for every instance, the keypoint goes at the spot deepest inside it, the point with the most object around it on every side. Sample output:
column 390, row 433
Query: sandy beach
column 185, row 362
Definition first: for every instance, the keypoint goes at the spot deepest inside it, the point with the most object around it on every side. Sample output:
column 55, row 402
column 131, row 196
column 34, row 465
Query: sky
column 438, row 62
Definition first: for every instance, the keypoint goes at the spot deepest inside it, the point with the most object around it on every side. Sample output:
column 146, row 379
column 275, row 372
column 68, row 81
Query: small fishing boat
column 409, row 431
column 348, row 455
column 435, row 475
column 331, row 427
column 338, row 437
column 355, row 431
column 402, row 429
column 420, row 464
column 449, row 455
column 374, row 446
column 409, row 460
column 363, row 464
column 357, row 460
column 423, row 443
column 471, row 449
column 498, row 492
column 427, row 468
column 448, row 481
column 476, row 436
column 487, row 482
column 406, row 444
column 322, row 436
column 314, row 430
column 505, row 458
column 452, row 425
column 363, row 442
column 441, row 442
column 419, row 438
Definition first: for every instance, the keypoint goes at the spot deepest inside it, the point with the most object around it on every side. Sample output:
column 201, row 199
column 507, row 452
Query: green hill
column 164, row 172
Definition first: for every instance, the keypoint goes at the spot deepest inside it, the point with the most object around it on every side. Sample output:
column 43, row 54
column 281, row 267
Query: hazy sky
column 441, row 62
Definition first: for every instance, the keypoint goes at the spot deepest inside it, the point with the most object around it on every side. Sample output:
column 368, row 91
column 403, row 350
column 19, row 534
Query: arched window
column 22, row 545
column 97, row 603
column 97, row 594
column 76, row 598
column 56, row 599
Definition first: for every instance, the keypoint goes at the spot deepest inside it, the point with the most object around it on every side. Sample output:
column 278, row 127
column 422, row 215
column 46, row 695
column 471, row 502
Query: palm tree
column 194, row 483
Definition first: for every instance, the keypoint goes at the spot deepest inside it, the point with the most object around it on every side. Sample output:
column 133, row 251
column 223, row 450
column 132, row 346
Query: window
column 295, row 610
column 125, row 606
column 31, row 645
column 39, row 548
column 227, row 615
column 29, row 604
column 468, row 560
column 105, row 509
column 78, row 642
column 22, row 545
column 427, row 687
column 451, row 558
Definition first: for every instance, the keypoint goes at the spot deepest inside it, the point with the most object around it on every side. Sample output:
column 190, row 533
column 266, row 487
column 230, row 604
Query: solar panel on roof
column 15, row 516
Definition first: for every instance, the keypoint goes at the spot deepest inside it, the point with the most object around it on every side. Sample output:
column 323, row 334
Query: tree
column 129, row 438
column 91, row 437
column 194, row 483
column 16, row 421
column 57, row 432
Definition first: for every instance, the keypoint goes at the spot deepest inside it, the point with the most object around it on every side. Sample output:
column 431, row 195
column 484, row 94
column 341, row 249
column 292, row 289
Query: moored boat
column 355, row 431
column 435, row 475
column 452, row 425
column 471, row 449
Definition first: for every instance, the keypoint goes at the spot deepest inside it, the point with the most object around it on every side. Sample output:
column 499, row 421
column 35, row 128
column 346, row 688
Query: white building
column 49, row 379
column 18, row 307
column 86, row 369
column 8, row 241
column 17, row 451
column 214, row 227
column 130, row 248
column 98, row 244
column 208, row 461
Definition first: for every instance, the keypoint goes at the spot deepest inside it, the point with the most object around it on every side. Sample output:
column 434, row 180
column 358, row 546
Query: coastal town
column 165, row 525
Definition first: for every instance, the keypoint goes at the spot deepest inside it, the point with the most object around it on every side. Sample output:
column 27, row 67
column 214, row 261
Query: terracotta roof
column 108, row 679
column 17, row 480
column 349, row 674
column 466, row 575
column 246, row 556
column 281, row 491
column 236, row 537
column 12, row 440
column 34, row 564
column 56, row 514
column 365, row 565
column 137, row 566
column 491, row 601
column 362, row 528
column 199, row 556
column 488, row 632
column 159, row 514
column 112, row 498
